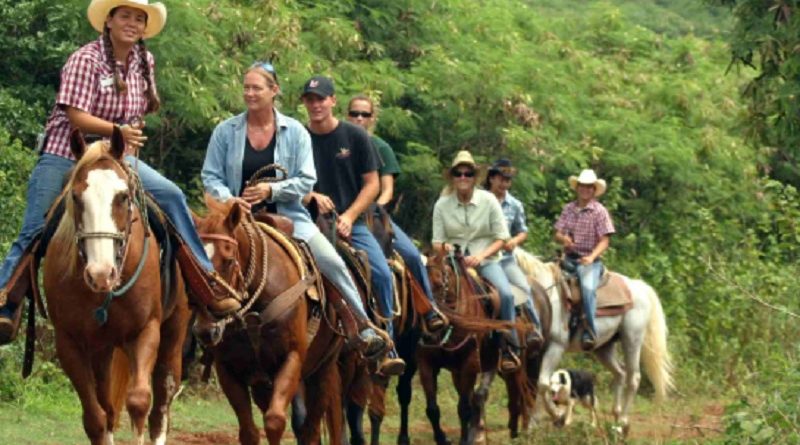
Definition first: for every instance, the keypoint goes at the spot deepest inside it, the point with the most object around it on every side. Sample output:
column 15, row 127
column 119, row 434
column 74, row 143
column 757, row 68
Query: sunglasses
column 364, row 114
column 463, row 174
column 266, row 66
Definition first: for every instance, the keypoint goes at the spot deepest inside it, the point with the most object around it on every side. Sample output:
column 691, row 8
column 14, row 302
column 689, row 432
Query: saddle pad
column 613, row 295
column 613, row 292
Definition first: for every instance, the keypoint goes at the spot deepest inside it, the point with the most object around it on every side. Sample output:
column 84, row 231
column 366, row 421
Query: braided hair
column 153, row 101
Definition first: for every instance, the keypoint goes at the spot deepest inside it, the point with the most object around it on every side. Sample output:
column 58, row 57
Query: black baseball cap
column 320, row 85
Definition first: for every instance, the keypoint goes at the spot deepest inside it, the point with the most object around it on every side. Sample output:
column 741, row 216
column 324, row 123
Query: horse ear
column 117, row 143
column 76, row 143
column 234, row 216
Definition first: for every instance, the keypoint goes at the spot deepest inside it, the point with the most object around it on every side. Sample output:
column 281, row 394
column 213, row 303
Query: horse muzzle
column 101, row 278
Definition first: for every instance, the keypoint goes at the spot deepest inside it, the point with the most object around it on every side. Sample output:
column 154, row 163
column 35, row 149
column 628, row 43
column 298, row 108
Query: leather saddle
column 613, row 295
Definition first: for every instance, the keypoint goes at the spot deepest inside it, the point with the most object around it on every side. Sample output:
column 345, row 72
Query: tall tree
column 766, row 37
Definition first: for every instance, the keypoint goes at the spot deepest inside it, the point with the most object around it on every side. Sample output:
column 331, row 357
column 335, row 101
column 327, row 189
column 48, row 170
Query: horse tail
column 474, row 324
column 655, row 355
column 120, row 374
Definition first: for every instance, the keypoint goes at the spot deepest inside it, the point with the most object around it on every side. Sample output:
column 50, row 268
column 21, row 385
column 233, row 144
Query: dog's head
column 560, row 386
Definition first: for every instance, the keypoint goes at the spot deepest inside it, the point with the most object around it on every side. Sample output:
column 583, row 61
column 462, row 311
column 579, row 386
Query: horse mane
column 531, row 265
column 65, row 233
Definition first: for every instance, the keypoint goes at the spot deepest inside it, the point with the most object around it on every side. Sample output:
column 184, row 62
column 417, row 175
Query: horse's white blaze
column 209, row 247
column 102, row 186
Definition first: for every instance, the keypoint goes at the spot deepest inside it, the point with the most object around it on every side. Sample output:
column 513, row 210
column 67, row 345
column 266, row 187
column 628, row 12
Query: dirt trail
column 655, row 427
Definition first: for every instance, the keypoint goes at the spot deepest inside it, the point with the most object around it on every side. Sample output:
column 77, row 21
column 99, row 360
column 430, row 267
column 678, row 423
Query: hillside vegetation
column 637, row 90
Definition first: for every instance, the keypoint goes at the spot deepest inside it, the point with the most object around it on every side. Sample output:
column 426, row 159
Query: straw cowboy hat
column 463, row 157
column 156, row 14
column 588, row 177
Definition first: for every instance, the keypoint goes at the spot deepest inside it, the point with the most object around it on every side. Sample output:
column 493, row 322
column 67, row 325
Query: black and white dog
column 568, row 387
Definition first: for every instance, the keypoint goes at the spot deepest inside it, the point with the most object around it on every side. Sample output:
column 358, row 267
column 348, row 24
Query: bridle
column 135, row 197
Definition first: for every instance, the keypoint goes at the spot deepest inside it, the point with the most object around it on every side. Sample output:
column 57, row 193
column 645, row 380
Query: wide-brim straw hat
column 463, row 157
column 156, row 14
column 588, row 177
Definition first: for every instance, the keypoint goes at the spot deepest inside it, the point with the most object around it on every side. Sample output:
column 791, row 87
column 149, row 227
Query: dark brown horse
column 265, row 357
column 458, row 351
column 104, row 293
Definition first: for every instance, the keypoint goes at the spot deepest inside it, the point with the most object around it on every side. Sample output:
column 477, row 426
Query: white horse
column 642, row 332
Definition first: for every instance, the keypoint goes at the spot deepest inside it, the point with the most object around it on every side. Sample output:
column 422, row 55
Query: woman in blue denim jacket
column 260, row 136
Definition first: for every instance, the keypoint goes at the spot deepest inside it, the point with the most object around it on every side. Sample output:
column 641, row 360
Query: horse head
column 224, row 239
column 99, row 208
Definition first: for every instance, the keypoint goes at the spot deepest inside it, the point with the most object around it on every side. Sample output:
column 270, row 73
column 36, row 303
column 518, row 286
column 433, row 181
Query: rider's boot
column 533, row 338
column 392, row 365
column 210, row 288
column 509, row 357
column 434, row 321
column 11, row 299
column 589, row 336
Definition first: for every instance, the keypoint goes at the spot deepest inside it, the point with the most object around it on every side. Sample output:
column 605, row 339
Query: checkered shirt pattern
column 585, row 225
column 87, row 84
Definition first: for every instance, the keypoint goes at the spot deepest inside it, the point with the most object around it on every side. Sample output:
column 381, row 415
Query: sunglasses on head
column 463, row 173
column 364, row 114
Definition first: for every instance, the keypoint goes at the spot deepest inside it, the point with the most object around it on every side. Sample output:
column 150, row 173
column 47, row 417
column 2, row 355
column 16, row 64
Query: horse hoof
column 403, row 440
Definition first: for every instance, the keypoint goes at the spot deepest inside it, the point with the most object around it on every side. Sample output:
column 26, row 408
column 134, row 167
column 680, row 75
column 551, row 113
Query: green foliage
column 765, row 38
column 634, row 89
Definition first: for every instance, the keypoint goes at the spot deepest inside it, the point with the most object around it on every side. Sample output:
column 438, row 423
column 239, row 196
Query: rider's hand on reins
column 472, row 261
column 134, row 139
column 257, row 193
column 344, row 226
column 243, row 203
column 324, row 203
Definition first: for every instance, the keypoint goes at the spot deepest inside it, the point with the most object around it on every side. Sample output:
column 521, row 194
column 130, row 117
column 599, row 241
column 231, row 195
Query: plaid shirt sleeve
column 518, row 225
column 78, row 83
column 602, row 224
column 561, row 224
column 498, row 220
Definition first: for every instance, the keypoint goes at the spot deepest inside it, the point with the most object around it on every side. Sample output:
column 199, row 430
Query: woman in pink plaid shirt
column 107, row 83
column 583, row 229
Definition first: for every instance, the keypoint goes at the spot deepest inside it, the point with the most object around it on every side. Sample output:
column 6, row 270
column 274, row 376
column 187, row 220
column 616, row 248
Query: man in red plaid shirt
column 583, row 229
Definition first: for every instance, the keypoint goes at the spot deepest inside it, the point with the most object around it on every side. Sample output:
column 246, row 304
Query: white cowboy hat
column 156, row 14
column 464, row 157
column 588, row 177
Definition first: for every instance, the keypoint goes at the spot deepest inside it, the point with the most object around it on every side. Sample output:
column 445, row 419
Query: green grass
column 45, row 411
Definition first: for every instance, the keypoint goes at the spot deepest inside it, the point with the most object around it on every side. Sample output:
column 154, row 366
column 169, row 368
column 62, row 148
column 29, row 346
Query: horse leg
column 299, row 413
column 549, row 362
column 632, row 348
column 101, row 367
column 355, row 420
column 403, row 391
column 167, row 372
column 605, row 354
column 515, row 388
column 238, row 396
column 323, row 394
column 481, row 396
column 377, row 409
column 142, row 355
column 427, row 376
column 469, row 406
column 284, row 388
column 76, row 365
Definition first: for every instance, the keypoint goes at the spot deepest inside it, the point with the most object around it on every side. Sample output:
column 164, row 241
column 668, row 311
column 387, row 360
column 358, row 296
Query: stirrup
column 509, row 362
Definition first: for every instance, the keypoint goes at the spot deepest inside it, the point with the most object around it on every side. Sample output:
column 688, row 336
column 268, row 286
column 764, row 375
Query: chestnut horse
column 104, row 293
column 460, row 349
column 264, row 357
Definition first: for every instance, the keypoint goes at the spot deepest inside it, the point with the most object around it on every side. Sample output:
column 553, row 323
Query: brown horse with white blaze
column 104, row 293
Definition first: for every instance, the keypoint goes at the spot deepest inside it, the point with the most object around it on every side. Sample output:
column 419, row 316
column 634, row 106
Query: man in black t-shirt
column 347, row 183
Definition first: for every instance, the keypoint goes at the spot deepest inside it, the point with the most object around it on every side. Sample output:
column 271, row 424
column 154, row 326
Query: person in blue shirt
column 498, row 181
column 260, row 136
